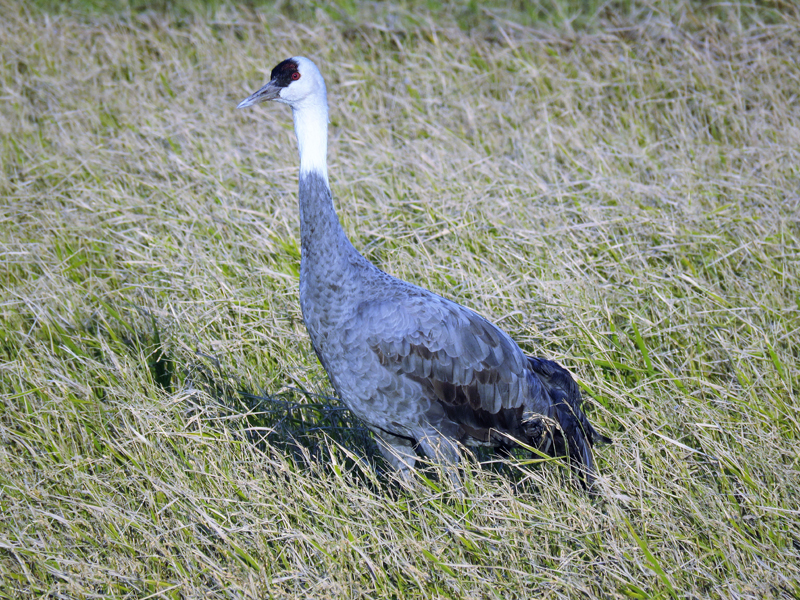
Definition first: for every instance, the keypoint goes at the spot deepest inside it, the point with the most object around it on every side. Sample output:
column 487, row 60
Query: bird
column 424, row 373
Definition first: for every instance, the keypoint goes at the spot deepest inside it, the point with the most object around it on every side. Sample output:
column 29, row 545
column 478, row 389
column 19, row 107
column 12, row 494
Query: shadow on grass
column 301, row 424
column 304, row 425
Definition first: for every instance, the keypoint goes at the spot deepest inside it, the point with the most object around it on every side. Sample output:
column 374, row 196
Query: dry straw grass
column 623, row 198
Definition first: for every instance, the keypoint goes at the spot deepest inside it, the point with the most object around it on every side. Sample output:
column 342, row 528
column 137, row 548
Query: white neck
column 311, row 128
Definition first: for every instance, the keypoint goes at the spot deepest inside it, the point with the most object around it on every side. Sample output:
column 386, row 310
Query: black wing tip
column 578, row 435
column 599, row 438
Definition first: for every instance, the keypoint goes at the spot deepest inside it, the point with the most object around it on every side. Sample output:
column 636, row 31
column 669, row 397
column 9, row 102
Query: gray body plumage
column 416, row 367
column 420, row 370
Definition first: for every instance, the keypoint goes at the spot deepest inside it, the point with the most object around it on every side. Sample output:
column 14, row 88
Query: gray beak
column 271, row 91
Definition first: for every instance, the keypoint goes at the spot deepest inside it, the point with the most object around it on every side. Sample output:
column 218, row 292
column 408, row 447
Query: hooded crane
column 423, row 372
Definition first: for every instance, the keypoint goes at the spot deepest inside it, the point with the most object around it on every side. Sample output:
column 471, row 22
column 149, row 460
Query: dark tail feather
column 573, row 441
column 575, row 436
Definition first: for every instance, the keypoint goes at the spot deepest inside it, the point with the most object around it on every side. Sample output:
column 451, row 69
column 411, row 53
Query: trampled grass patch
column 617, row 187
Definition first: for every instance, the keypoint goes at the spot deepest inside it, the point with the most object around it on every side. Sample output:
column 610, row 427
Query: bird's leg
column 505, row 453
column 398, row 452
column 446, row 452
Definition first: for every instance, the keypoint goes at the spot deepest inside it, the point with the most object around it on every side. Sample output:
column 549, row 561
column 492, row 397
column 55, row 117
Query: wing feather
column 462, row 358
column 478, row 387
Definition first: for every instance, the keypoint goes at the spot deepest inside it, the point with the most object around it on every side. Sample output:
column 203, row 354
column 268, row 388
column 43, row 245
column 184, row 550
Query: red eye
column 295, row 76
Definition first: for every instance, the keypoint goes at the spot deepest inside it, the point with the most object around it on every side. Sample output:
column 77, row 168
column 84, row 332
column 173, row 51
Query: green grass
column 617, row 186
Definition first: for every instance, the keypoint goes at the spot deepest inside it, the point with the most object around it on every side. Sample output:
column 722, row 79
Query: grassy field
column 619, row 189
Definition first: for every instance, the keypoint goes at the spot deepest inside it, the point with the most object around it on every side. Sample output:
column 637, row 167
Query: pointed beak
column 271, row 91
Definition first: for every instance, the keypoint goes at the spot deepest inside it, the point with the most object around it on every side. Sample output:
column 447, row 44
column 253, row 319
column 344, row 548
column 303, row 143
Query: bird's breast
column 328, row 298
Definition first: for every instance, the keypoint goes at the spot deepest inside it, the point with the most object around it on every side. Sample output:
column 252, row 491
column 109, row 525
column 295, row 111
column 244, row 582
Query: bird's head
column 295, row 81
